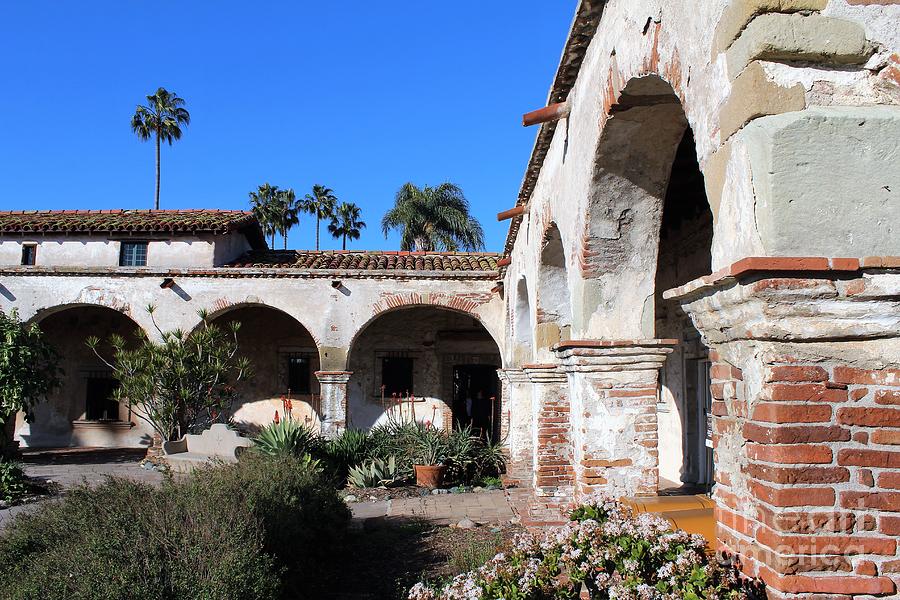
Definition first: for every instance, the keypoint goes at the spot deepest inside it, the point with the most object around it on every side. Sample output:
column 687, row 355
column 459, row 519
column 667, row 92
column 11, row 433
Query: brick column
column 333, row 386
column 551, row 439
column 613, row 413
column 806, row 425
column 515, row 419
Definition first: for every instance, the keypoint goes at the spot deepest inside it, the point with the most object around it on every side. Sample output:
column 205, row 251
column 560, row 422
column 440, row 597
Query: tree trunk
column 344, row 244
column 284, row 238
column 317, row 233
column 273, row 239
column 8, row 448
column 156, row 204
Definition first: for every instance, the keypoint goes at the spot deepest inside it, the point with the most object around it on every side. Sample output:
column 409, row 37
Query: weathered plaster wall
column 332, row 316
column 98, row 251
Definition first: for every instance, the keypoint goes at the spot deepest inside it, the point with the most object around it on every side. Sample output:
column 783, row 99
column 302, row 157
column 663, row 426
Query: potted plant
column 430, row 458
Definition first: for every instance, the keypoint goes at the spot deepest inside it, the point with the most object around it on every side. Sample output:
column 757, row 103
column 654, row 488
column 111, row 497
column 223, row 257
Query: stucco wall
column 100, row 251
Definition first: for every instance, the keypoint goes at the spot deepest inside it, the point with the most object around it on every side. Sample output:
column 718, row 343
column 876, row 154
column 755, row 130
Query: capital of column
column 333, row 377
column 544, row 373
column 594, row 356
column 513, row 376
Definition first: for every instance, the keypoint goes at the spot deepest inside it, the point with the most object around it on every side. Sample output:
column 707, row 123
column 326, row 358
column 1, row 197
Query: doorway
column 475, row 400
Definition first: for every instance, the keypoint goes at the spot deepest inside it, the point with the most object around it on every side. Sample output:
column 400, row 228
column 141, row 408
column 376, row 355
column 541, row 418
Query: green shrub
column 13, row 483
column 349, row 448
column 287, row 437
column 258, row 529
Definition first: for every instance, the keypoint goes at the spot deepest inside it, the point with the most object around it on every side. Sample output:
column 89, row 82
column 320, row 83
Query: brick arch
column 223, row 306
column 462, row 303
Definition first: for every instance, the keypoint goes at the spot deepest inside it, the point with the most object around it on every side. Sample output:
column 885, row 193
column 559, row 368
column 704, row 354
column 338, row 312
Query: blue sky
column 358, row 96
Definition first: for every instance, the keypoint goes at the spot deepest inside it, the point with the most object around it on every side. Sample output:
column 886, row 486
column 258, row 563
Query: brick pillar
column 551, row 439
column 333, row 386
column 806, row 423
column 613, row 413
column 515, row 423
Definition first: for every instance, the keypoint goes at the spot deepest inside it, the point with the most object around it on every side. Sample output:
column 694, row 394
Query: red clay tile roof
column 133, row 221
column 369, row 261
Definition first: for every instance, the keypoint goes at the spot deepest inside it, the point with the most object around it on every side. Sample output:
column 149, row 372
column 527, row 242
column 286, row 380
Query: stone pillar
column 806, row 420
column 613, row 413
column 333, row 386
column 515, row 419
column 551, row 439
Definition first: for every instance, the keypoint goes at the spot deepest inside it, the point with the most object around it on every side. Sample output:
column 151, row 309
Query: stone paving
column 445, row 509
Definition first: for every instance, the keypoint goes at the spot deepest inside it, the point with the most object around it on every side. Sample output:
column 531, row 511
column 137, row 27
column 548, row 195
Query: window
column 298, row 374
column 100, row 405
column 29, row 254
column 134, row 254
column 397, row 375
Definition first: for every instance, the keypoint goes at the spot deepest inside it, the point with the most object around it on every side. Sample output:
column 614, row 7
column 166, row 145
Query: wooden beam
column 554, row 112
column 511, row 213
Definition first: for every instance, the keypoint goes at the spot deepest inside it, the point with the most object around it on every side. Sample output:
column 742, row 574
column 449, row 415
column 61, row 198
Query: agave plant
column 287, row 436
column 373, row 473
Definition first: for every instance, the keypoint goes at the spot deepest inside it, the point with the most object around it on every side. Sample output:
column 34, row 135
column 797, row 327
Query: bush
column 610, row 552
column 258, row 529
column 13, row 483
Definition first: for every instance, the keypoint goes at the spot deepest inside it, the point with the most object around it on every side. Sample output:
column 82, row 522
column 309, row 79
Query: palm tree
column 321, row 204
column 345, row 223
column 287, row 212
column 162, row 118
column 433, row 218
column 263, row 205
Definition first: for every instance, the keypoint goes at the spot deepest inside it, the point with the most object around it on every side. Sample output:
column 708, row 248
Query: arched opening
column 81, row 411
column 284, row 357
column 650, row 229
column 685, row 242
column 523, row 349
column 554, row 315
column 429, row 363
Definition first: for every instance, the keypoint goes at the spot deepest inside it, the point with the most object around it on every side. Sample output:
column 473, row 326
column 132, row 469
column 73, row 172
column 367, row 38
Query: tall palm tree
column 320, row 204
column 288, row 212
column 345, row 223
column 263, row 205
column 433, row 218
column 161, row 118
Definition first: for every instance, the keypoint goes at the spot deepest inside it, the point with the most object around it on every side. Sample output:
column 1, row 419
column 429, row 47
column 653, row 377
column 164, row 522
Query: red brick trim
column 783, row 264
column 539, row 366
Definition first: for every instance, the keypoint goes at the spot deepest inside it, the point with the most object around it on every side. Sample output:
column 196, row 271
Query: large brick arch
column 465, row 303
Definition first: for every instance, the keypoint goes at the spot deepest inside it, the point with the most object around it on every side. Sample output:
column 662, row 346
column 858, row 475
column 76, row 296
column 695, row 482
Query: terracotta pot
column 429, row 476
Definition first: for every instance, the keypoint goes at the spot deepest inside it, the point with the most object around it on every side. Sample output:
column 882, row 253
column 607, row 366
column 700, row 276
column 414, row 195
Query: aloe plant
column 287, row 437
column 373, row 473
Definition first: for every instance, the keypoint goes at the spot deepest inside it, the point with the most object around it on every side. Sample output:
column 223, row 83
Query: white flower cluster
column 614, row 554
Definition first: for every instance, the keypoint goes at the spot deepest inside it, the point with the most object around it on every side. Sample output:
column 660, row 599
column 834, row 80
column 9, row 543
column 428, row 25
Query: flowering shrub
column 615, row 555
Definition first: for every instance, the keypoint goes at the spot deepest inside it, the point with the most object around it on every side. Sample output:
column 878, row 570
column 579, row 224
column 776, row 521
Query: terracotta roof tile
column 385, row 261
column 125, row 221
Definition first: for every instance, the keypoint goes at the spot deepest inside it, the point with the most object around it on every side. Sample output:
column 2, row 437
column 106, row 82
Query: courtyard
column 439, row 334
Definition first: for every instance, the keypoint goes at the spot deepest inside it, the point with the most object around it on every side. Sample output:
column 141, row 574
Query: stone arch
column 554, row 306
column 81, row 412
column 433, row 353
column 453, row 302
column 632, row 166
column 523, row 327
column 650, row 228
column 284, row 355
